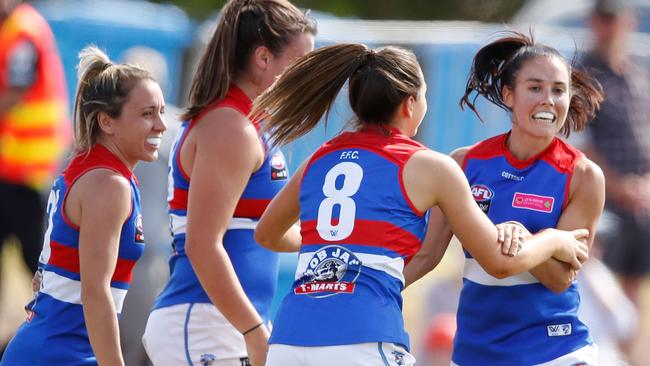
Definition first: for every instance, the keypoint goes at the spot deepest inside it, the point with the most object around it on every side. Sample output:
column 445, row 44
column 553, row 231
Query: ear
column 106, row 123
column 261, row 57
column 407, row 105
column 508, row 96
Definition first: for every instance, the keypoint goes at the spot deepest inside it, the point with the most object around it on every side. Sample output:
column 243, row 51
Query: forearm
column 555, row 275
column 426, row 260
column 101, row 321
column 290, row 241
column 219, row 280
column 419, row 266
column 536, row 250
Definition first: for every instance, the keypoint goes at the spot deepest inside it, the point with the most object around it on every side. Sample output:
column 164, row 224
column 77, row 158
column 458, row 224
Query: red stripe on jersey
column 123, row 270
column 179, row 202
column 370, row 233
column 64, row 257
column 251, row 208
column 67, row 258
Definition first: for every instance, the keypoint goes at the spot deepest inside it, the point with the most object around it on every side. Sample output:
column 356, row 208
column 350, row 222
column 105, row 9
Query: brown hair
column 103, row 87
column 497, row 64
column 243, row 25
column 379, row 80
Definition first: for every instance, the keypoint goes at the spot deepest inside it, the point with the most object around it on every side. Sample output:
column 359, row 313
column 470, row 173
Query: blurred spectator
column 620, row 142
column 610, row 316
column 152, row 271
column 34, row 127
column 439, row 339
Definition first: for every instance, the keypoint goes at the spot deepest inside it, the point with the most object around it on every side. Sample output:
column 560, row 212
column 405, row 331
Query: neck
column 524, row 147
column 113, row 148
column 402, row 127
column 615, row 55
column 248, row 87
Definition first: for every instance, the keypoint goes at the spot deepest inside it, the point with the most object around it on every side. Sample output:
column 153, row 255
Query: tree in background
column 482, row 10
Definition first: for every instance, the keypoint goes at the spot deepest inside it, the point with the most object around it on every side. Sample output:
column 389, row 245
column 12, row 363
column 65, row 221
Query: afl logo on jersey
column 139, row 235
column 483, row 196
column 278, row 167
column 332, row 270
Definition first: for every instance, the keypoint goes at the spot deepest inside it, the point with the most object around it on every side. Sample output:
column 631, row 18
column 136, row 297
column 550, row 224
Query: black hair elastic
column 253, row 328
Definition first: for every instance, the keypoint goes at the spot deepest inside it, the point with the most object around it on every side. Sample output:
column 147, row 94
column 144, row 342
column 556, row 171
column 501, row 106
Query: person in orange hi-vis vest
column 34, row 126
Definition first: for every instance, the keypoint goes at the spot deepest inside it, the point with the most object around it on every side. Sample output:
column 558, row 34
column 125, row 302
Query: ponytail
column 493, row 67
column 586, row 97
column 379, row 80
column 306, row 90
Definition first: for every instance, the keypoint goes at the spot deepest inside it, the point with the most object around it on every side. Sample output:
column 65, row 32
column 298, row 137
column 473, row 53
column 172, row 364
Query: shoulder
column 225, row 126
column 430, row 164
column 588, row 174
column 459, row 154
column 105, row 188
column 484, row 149
column 563, row 156
column 229, row 138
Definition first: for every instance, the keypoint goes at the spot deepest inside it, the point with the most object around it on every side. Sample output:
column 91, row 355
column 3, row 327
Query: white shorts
column 585, row 356
column 192, row 334
column 361, row 354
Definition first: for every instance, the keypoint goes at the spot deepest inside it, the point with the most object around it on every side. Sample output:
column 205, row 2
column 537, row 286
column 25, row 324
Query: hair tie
column 370, row 55
column 252, row 328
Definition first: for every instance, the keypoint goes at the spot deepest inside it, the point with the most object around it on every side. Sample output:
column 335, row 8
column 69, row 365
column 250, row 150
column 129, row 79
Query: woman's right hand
column 257, row 345
column 573, row 249
column 36, row 281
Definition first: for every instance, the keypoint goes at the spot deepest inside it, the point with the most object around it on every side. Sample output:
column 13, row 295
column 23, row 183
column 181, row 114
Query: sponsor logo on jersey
column 245, row 361
column 331, row 270
column 483, row 196
column 511, row 176
column 558, row 330
column 139, row 234
column 533, row 202
column 278, row 167
column 207, row 359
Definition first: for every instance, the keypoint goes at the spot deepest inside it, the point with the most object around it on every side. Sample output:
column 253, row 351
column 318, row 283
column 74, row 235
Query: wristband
column 253, row 328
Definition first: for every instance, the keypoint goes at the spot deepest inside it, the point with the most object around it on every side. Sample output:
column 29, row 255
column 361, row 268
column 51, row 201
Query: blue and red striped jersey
column 256, row 267
column 55, row 332
column 359, row 229
column 517, row 320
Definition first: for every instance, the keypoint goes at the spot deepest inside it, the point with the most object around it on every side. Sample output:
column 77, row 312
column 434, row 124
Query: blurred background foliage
column 481, row 10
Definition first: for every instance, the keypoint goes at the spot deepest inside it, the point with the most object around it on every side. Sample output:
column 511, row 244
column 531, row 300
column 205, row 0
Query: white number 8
column 352, row 175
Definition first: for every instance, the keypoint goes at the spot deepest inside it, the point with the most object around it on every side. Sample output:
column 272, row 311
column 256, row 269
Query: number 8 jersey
column 358, row 230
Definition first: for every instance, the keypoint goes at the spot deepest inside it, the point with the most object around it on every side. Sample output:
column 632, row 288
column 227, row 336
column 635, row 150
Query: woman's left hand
column 511, row 235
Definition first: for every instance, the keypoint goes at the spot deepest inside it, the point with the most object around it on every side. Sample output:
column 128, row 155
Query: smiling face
column 540, row 97
column 138, row 130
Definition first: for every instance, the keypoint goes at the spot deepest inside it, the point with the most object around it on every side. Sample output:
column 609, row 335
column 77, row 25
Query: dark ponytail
column 379, row 80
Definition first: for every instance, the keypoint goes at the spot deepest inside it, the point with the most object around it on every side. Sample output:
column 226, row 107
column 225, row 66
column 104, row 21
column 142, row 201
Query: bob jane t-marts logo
column 483, row 196
column 331, row 270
